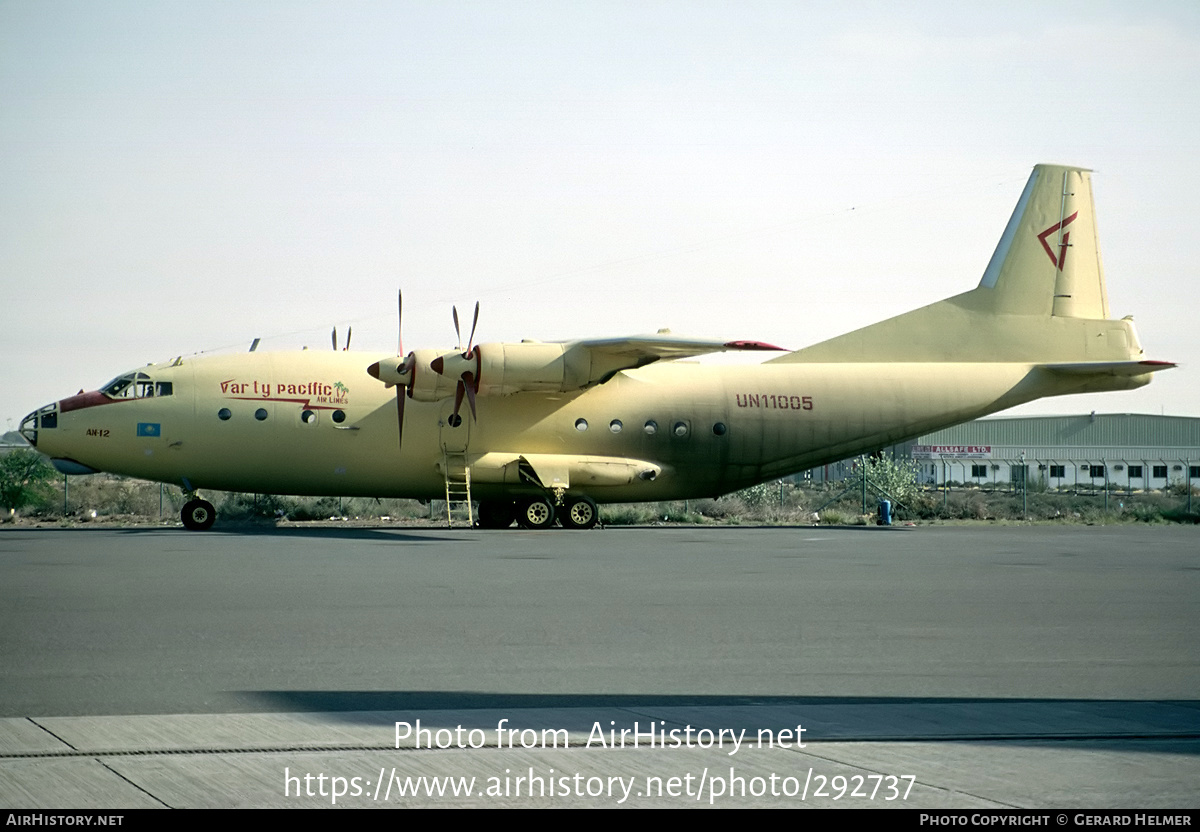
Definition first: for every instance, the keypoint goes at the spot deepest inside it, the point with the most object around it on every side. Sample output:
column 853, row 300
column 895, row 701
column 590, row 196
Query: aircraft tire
column 198, row 515
column 495, row 514
column 581, row 513
column 535, row 513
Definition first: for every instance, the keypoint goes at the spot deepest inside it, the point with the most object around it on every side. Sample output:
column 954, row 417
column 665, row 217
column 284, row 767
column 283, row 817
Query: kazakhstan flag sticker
column 149, row 429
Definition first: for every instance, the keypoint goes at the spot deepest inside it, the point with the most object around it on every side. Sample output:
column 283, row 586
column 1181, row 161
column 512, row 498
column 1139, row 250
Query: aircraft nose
column 43, row 417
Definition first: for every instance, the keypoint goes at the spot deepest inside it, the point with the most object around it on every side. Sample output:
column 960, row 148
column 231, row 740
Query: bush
column 25, row 479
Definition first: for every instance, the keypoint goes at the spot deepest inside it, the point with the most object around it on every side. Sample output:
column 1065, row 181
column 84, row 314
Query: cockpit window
column 136, row 386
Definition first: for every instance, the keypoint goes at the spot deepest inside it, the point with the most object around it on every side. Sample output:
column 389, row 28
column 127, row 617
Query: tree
column 25, row 478
column 896, row 478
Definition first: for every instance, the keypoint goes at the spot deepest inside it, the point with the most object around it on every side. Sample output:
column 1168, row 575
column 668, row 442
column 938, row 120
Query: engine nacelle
column 498, row 369
column 505, row 369
column 427, row 385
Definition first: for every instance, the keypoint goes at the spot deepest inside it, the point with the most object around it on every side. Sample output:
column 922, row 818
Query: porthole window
column 581, row 425
column 651, row 427
column 224, row 414
column 719, row 429
column 309, row 417
column 615, row 426
column 680, row 429
column 339, row 416
column 261, row 414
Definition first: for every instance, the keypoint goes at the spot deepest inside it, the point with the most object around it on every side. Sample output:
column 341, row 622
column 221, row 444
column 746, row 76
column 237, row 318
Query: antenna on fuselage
column 254, row 345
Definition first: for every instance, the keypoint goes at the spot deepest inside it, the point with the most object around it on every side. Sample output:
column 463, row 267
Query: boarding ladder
column 458, row 486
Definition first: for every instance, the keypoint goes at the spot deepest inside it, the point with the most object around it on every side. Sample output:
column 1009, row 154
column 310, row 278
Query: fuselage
column 317, row 423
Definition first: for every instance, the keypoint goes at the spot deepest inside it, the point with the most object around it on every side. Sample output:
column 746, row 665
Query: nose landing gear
column 198, row 515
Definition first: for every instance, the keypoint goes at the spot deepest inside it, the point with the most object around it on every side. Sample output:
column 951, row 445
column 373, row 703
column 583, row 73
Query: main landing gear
column 578, row 512
column 198, row 515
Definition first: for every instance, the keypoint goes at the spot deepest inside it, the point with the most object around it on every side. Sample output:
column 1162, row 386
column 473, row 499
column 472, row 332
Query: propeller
column 349, row 332
column 403, row 370
column 468, row 381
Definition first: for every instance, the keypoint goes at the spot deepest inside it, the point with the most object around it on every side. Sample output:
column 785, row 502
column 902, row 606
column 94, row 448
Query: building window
column 1135, row 472
column 1194, row 472
column 978, row 471
column 1096, row 471
column 1159, row 472
column 1058, row 472
column 1018, row 473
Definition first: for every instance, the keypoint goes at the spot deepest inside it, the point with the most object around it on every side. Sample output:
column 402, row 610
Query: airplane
column 552, row 430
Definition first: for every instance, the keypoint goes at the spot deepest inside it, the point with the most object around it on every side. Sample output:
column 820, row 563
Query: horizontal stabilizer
column 1110, row 368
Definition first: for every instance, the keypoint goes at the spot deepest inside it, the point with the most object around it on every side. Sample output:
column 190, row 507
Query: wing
column 607, row 356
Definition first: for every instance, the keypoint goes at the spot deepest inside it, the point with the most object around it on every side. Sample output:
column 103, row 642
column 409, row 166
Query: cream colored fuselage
column 713, row 429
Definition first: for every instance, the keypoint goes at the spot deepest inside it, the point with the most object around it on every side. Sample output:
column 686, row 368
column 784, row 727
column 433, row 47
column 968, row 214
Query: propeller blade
column 335, row 339
column 474, row 324
column 468, row 383
column 349, row 332
column 399, row 322
column 457, row 333
column 401, row 395
column 458, row 395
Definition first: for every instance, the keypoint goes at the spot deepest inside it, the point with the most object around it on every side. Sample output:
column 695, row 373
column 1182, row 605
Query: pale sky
column 184, row 177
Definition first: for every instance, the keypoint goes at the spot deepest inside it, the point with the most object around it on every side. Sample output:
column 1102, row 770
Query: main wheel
column 535, row 513
column 495, row 514
column 581, row 513
column 198, row 515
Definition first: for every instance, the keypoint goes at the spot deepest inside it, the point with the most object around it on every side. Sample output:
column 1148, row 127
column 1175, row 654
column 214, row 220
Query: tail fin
column 1042, row 297
column 1048, row 260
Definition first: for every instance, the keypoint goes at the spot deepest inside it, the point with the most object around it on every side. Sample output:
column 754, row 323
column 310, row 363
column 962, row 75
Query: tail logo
column 1060, row 260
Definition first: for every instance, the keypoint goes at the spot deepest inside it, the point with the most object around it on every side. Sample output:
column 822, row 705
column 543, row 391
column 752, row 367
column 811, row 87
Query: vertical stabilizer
column 1041, row 299
column 1048, row 259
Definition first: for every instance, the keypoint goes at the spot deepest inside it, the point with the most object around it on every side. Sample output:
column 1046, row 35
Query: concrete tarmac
column 1037, row 667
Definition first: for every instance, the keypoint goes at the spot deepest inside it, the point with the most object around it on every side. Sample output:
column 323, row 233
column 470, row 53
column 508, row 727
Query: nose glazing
column 45, row 417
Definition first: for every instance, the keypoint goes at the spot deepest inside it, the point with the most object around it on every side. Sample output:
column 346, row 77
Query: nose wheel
column 198, row 515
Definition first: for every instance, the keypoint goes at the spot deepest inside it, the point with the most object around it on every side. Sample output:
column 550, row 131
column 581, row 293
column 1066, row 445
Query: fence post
column 862, row 463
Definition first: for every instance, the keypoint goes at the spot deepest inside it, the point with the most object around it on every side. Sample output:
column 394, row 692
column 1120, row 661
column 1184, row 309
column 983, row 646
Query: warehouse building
column 1124, row 450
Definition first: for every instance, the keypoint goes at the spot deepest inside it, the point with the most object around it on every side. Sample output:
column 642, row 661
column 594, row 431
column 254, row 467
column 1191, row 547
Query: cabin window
column 224, row 414
column 309, row 417
column 261, row 414
column 339, row 416
column 581, row 425
column 680, row 429
column 651, row 427
column 719, row 429
column 615, row 426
